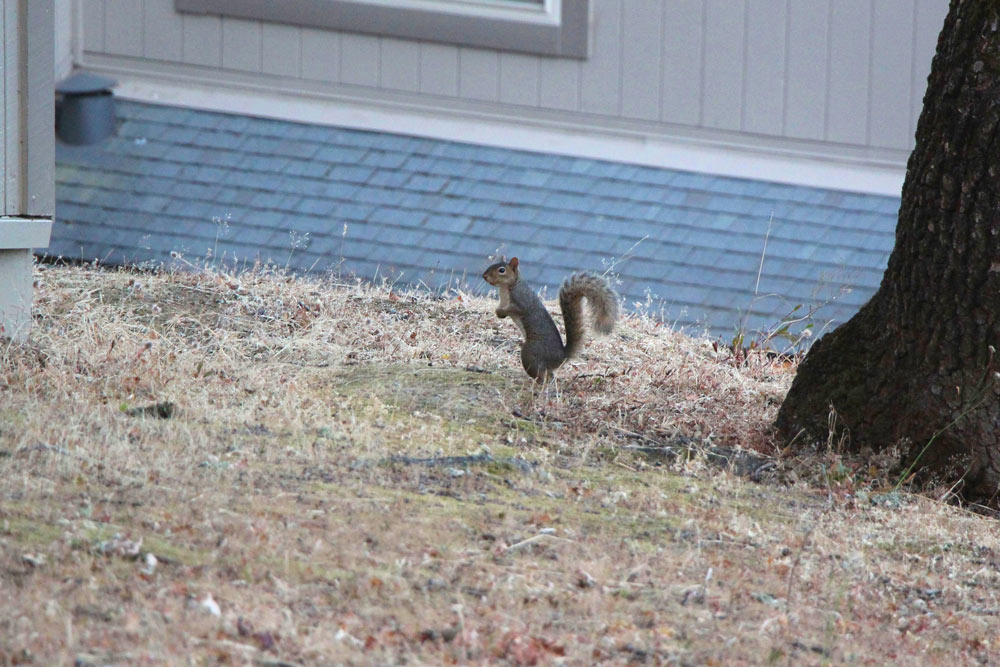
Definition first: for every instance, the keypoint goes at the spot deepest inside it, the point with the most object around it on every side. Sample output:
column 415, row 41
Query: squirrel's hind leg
column 542, row 384
column 554, row 383
column 545, row 380
column 537, row 363
column 533, row 365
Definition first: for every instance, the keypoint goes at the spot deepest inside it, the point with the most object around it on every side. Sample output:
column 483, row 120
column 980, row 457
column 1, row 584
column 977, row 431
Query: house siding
column 846, row 73
column 27, row 153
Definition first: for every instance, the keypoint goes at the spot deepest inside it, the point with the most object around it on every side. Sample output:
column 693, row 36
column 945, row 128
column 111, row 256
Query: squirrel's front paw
column 501, row 313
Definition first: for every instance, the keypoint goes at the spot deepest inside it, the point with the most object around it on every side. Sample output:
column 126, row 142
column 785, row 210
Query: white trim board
column 717, row 158
column 17, row 233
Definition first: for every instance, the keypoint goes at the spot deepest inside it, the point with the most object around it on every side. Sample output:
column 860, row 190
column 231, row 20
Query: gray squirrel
column 542, row 350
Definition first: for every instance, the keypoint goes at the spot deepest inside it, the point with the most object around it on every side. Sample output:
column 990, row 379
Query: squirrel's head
column 502, row 273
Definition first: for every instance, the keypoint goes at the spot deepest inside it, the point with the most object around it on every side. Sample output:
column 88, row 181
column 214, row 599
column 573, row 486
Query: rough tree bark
column 915, row 367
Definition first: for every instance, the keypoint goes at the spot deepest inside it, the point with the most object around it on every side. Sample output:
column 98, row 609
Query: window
column 545, row 27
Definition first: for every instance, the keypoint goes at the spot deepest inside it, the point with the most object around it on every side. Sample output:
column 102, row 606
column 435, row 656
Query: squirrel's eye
column 502, row 270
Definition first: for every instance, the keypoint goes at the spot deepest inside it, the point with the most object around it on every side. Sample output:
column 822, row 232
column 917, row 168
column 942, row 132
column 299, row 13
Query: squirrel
column 542, row 350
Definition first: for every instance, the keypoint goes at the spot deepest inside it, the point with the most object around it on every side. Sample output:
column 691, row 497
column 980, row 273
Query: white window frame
column 542, row 27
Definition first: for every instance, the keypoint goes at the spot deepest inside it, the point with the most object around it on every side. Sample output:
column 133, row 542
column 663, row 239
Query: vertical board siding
column 641, row 54
column 92, row 13
column 359, row 60
column 65, row 28
column 892, row 68
column 202, row 40
column 6, row 138
column 439, row 69
column 27, row 106
column 600, row 78
column 682, row 62
column 849, row 72
column 39, row 145
column 124, row 42
column 724, row 33
column 320, row 55
column 241, row 44
column 559, row 84
column 519, row 79
column 478, row 74
column 400, row 60
column 281, row 49
column 764, row 67
column 806, row 92
column 162, row 31
column 850, row 53
column 10, row 110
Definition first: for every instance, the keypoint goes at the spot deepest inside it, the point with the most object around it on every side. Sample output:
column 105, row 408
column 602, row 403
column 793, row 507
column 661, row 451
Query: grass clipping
column 204, row 467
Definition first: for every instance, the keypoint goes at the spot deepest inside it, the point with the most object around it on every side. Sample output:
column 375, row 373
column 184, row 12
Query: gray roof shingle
column 183, row 180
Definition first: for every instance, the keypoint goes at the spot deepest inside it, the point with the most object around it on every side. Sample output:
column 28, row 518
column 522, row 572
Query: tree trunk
column 915, row 366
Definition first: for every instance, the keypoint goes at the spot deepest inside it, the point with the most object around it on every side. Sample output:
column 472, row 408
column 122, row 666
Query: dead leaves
column 523, row 649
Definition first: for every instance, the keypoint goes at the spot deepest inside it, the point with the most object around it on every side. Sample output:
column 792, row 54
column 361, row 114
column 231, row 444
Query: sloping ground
column 206, row 468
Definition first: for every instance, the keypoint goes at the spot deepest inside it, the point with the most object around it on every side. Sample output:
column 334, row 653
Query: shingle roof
column 321, row 198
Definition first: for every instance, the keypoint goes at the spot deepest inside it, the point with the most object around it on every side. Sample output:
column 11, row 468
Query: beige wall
column 64, row 36
column 841, row 78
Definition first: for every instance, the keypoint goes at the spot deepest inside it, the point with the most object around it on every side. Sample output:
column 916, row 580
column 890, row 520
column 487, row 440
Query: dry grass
column 301, row 506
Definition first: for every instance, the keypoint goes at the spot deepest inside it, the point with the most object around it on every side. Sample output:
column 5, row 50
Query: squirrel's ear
column 513, row 262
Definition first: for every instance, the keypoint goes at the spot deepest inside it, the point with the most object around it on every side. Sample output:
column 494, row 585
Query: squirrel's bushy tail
column 603, row 307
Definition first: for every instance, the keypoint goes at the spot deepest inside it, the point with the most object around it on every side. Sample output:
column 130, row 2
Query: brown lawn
column 205, row 468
